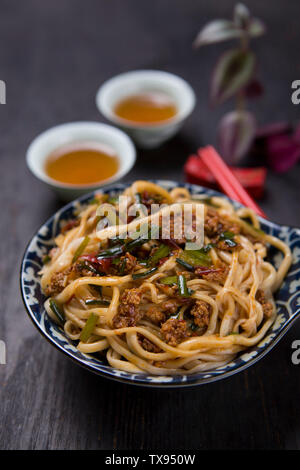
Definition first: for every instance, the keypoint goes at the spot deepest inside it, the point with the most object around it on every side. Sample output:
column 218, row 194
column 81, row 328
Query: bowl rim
column 192, row 380
column 125, row 164
column 115, row 81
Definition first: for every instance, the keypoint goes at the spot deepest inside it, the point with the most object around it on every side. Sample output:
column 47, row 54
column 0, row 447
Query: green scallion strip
column 110, row 252
column 81, row 248
column 182, row 287
column 183, row 263
column 196, row 257
column 176, row 314
column 46, row 259
column 94, row 201
column 161, row 252
column 88, row 328
column 228, row 238
column 169, row 281
column 144, row 274
column 57, row 310
column 97, row 288
column 97, row 302
column 113, row 200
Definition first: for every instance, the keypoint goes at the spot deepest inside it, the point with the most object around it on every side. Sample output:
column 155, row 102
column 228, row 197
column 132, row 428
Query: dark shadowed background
column 53, row 57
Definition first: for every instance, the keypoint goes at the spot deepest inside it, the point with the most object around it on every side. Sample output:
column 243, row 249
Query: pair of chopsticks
column 226, row 179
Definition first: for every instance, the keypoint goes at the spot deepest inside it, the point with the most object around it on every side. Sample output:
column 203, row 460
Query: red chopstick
column 226, row 179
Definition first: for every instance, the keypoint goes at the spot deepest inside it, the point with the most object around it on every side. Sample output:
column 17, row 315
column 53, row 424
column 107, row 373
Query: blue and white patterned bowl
column 287, row 301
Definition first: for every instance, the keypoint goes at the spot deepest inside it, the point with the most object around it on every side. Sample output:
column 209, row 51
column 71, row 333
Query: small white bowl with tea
column 149, row 105
column 78, row 157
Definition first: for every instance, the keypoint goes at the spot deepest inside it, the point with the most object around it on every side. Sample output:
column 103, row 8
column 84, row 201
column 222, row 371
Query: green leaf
column 233, row 71
column 235, row 135
column 217, row 31
column 241, row 16
column 256, row 27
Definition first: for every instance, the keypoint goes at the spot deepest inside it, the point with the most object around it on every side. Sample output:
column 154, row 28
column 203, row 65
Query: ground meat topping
column 214, row 225
column 83, row 268
column 58, row 282
column 217, row 274
column 129, row 261
column 266, row 306
column 174, row 331
column 155, row 314
column 201, row 312
column 148, row 345
column 128, row 311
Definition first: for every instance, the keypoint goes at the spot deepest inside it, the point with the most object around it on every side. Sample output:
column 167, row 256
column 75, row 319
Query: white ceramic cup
column 78, row 132
column 139, row 81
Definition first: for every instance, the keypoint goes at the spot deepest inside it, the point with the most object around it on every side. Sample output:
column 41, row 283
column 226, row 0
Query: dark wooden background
column 53, row 56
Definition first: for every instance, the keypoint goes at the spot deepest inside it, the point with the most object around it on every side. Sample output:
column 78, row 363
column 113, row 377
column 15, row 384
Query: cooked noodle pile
column 152, row 306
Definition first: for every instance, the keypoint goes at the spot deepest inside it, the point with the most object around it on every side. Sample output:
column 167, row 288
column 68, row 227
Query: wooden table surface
column 53, row 57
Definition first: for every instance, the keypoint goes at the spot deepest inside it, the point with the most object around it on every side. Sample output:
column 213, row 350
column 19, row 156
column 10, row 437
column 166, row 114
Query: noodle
column 152, row 306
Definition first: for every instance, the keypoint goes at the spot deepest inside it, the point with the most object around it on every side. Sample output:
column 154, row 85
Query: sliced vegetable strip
column 169, row 281
column 97, row 302
column 57, row 310
column 144, row 274
column 196, row 257
column 161, row 252
column 81, row 248
column 88, row 328
column 182, row 286
column 186, row 265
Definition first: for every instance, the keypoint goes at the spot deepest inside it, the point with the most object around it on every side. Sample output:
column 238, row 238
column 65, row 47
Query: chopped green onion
column 81, row 248
column 187, row 266
column 228, row 238
column 168, row 281
column 88, row 327
column 123, row 266
column 113, row 200
column 97, row 302
column 227, row 234
column 196, row 257
column 176, row 314
column 182, row 287
column 143, row 262
column 111, row 252
column 207, row 247
column 88, row 266
column 57, row 310
column 204, row 200
column 97, row 288
column 144, row 274
column 136, row 243
column 161, row 252
column 94, row 201
column 258, row 230
column 193, row 326
column 46, row 259
column 138, row 198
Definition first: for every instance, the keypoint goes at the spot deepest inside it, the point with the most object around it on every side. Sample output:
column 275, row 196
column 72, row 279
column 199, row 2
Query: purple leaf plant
column 234, row 76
